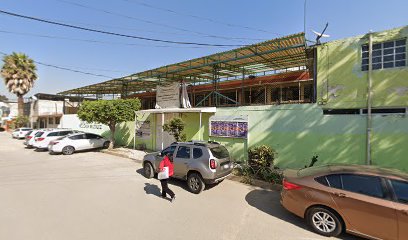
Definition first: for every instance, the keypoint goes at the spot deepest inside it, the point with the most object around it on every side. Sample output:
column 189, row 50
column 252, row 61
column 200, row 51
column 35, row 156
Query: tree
column 109, row 112
column 19, row 73
column 175, row 127
column 20, row 121
column 3, row 98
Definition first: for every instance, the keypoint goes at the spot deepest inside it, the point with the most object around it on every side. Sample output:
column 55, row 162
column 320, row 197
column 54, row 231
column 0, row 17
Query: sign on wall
column 86, row 125
column 229, row 126
column 168, row 96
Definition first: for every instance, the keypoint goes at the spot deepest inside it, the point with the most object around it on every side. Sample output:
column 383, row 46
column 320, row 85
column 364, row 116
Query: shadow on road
column 269, row 202
column 152, row 189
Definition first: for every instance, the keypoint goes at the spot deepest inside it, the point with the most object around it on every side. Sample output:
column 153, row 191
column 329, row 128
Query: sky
column 225, row 22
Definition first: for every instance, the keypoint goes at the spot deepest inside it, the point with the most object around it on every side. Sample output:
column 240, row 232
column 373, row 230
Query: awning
column 272, row 55
column 180, row 110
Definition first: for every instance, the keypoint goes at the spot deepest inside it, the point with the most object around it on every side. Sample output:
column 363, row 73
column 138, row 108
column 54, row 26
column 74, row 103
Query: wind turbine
column 320, row 35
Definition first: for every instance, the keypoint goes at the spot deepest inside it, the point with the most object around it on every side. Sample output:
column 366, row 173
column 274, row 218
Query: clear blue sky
column 115, row 56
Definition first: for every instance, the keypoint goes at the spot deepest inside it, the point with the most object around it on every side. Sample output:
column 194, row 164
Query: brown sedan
column 366, row 201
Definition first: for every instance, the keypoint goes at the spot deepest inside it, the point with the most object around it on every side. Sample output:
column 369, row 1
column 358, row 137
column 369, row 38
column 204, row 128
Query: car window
column 400, row 190
column 64, row 133
column 169, row 150
column 39, row 134
column 91, row 136
column 183, row 152
column 77, row 137
column 367, row 185
column 322, row 180
column 334, row 181
column 197, row 153
column 219, row 152
column 52, row 134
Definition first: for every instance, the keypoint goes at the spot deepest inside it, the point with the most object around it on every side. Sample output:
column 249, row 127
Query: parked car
column 30, row 138
column 199, row 163
column 367, row 201
column 77, row 142
column 20, row 133
column 44, row 140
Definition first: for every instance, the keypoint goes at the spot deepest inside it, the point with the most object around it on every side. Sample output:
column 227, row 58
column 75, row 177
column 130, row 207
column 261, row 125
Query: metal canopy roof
column 275, row 54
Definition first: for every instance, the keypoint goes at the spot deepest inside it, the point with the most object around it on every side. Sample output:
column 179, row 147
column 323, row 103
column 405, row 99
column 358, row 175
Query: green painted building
column 336, row 119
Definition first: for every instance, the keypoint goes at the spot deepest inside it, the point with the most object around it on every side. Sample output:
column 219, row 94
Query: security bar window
column 385, row 55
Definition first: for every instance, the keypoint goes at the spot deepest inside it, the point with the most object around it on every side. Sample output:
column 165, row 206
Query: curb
column 235, row 178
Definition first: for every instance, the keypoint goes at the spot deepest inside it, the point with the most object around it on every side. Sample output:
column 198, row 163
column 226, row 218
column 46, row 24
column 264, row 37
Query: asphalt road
column 93, row 195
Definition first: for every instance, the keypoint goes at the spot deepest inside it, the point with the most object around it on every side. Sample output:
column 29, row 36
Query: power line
column 67, row 69
column 200, row 17
column 153, row 23
column 117, row 34
column 95, row 41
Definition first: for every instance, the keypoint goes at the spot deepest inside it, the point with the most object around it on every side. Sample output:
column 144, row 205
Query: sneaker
column 173, row 198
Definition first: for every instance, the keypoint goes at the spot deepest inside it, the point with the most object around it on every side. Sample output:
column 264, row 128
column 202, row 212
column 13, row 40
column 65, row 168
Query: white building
column 46, row 110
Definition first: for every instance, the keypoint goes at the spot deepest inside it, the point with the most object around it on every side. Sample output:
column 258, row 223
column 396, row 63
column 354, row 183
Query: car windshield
column 219, row 152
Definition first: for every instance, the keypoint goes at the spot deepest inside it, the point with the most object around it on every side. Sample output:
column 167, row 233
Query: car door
column 79, row 141
column 93, row 141
column 169, row 150
column 181, row 160
column 366, row 204
column 400, row 190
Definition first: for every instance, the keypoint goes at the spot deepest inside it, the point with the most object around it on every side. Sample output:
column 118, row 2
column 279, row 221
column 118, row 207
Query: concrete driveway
column 93, row 195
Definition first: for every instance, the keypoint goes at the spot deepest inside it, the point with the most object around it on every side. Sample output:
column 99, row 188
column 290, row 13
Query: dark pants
column 166, row 189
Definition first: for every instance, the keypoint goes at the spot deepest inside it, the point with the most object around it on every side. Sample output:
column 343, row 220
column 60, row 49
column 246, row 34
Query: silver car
column 199, row 163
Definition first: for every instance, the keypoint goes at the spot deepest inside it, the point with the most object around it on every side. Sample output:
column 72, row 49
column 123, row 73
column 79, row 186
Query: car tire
column 324, row 221
column 68, row 150
column 195, row 183
column 106, row 145
column 148, row 171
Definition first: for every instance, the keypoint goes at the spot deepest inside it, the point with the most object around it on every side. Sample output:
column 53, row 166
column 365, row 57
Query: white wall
column 46, row 107
column 72, row 121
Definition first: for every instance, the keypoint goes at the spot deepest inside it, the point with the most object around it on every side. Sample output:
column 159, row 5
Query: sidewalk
column 137, row 156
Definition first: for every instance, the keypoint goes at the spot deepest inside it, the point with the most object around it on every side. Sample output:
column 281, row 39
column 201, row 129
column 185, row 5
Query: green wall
column 299, row 131
column 342, row 84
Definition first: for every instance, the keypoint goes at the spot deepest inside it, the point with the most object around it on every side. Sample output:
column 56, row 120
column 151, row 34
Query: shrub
column 261, row 156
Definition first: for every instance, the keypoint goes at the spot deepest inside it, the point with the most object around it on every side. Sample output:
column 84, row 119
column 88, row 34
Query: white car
column 20, row 133
column 30, row 139
column 42, row 142
column 77, row 142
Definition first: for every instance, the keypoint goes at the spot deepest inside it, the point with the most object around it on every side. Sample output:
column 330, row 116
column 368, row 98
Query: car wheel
column 68, row 150
column 324, row 222
column 195, row 183
column 106, row 145
column 148, row 170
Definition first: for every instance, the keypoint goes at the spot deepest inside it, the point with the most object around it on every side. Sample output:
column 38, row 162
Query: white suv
column 20, row 133
column 44, row 140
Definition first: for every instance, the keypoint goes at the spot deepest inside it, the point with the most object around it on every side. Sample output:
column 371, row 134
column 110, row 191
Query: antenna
column 320, row 35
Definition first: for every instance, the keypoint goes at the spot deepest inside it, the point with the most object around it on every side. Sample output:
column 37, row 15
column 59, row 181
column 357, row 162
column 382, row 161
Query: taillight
column 29, row 137
column 40, row 139
column 290, row 186
column 54, row 143
column 213, row 164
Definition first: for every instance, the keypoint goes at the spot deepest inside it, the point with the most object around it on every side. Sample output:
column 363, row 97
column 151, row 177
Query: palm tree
column 19, row 73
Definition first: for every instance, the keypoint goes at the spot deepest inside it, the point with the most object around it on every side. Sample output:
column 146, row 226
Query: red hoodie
column 166, row 163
